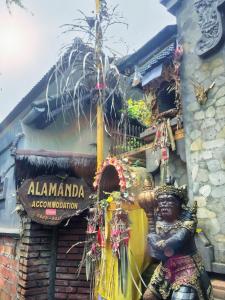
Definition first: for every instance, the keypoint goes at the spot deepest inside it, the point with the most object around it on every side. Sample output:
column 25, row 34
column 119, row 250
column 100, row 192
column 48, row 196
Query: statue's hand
column 148, row 295
column 160, row 244
column 156, row 241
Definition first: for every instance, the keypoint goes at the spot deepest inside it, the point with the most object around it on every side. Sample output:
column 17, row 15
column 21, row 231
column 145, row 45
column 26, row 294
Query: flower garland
column 118, row 166
column 126, row 176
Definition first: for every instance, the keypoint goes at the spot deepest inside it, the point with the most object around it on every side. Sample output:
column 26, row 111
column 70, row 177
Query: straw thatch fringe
column 83, row 165
column 60, row 162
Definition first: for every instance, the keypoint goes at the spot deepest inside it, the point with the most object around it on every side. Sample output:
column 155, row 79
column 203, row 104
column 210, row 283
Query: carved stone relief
column 211, row 22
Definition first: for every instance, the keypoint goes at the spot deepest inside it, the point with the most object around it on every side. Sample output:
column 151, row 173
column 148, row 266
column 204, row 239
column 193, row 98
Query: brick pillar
column 67, row 285
column 8, row 268
column 35, row 262
column 46, row 271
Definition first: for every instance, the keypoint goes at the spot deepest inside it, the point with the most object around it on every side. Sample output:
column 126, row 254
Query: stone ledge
column 149, row 133
column 13, row 232
column 218, row 268
column 220, row 295
column 218, row 284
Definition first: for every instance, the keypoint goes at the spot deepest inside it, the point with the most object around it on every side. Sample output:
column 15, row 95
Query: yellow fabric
column 107, row 281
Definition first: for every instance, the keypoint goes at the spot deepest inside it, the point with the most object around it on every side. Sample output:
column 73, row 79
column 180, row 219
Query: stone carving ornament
column 211, row 22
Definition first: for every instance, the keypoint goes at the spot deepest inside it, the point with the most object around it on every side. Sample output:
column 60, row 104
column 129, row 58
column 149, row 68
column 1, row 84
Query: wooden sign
column 51, row 199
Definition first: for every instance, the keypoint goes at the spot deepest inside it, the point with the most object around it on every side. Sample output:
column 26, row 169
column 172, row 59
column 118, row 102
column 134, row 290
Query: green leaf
column 140, row 111
column 123, row 269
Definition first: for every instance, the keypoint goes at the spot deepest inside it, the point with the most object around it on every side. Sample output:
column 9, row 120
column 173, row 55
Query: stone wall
column 204, row 129
column 177, row 169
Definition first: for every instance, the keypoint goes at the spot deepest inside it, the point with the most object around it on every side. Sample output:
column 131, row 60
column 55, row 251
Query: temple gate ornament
column 211, row 22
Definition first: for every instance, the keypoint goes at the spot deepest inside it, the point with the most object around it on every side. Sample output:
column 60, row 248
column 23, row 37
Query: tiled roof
column 152, row 49
column 157, row 58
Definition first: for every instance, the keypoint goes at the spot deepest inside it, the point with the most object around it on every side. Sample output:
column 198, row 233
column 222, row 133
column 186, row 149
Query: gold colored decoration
column 172, row 190
column 201, row 92
column 145, row 199
column 179, row 134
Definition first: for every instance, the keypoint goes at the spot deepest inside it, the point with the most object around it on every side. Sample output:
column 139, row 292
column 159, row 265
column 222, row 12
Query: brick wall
column 35, row 262
column 46, row 271
column 67, row 285
column 8, row 268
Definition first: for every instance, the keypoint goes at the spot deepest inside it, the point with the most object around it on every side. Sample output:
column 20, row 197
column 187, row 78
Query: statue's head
column 169, row 200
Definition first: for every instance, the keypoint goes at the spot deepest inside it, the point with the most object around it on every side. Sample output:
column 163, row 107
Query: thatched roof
column 62, row 158
column 83, row 165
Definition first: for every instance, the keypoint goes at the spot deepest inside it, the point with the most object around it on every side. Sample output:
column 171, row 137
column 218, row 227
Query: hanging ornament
column 93, row 244
column 119, row 239
column 164, row 139
column 164, row 154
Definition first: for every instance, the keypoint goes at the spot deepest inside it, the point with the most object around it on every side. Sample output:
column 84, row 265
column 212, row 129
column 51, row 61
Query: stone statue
column 180, row 274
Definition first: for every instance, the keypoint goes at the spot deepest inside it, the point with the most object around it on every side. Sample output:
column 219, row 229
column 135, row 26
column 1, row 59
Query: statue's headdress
column 170, row 189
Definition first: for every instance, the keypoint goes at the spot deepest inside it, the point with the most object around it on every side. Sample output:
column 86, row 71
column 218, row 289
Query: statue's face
column 169, row 207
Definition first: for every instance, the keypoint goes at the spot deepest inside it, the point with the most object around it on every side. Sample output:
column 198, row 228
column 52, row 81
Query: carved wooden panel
column 211, row 22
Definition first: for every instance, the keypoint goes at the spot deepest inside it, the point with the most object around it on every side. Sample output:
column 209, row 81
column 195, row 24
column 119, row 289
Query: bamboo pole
column 97, row 6
column 100, row 136
column 100, row 114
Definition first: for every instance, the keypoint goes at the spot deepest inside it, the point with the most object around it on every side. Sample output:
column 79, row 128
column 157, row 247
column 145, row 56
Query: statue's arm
column 153, row 239
column 176, row 241
column 155, row 252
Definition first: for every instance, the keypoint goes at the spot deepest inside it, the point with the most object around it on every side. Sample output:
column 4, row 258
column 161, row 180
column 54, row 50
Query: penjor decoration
column 113, row 250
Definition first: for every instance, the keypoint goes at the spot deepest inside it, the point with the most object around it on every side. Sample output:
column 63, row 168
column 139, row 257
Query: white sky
column 30, row 44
